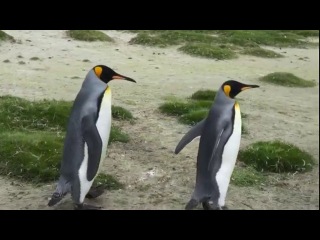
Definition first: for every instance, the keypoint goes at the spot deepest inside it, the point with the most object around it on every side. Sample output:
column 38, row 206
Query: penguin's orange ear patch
column 227, row 90
column 98, row 71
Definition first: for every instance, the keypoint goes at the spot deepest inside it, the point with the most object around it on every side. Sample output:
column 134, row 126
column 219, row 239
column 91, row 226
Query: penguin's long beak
column 249, row 86
column 121, row 77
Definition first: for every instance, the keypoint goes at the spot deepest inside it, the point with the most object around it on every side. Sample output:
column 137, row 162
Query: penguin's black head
column 232, row 88
column 106, row 74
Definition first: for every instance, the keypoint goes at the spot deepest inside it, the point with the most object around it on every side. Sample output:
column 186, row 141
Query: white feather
column 229, row 157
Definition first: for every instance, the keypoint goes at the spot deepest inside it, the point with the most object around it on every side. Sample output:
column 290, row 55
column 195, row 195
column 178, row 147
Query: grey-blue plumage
column 86, row 138
column 220, row 135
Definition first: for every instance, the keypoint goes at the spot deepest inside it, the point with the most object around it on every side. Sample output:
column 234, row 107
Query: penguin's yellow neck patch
column 98, row 71
column 236, row 106
column 227, row 90
column 108, row 91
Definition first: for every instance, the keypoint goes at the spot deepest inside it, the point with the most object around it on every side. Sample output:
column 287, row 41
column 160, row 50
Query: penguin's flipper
column 221, row 140
column 92, row 138
column 194, row 132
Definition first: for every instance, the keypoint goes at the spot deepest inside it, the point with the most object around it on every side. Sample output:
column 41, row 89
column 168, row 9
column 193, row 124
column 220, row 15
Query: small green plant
column 204, row 95
column 287, row 79
column 85, row 60
column 121, row 113
column 260, row 52
column 246, row 177
column 89, row 35
column 208, row 51
column 6, row 61
column 108, row 181
column 34, row 59
column 21, row 62
column 117, row 135
column 276, row 156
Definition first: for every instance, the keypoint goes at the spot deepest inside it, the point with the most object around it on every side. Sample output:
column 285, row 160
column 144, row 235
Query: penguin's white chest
column 229, row 157
column 104, row 127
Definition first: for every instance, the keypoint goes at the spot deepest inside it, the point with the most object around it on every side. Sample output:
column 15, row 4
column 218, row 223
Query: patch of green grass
column 5, row 37
column 255, row 38
column 276, row 156
column 89, row 35
column 6, row 61
column 50, row 115
column 32, row 138
column 260, row 52
column 204, row 95
column 108, row 181
column 177, row 108
column 34, row 59
column 164, row 38
column 304, row 33
column 194, row 109
column 223, row 44
column 287, row 79
column 20, row 114
column 21, row 62
column 208, row 51
column 33, row 157
column 121, row 113
column 116, row 135
column 247, row 177
column 193, row 117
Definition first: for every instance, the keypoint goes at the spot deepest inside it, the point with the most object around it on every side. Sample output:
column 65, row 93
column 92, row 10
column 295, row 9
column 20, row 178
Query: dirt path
column 155, row 178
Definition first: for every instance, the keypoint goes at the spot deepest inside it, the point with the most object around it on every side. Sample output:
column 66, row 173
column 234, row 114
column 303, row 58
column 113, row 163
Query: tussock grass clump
column 89, row 35
column 287, row 79
column 208, row 51
column 260, row 52
column 276, row 156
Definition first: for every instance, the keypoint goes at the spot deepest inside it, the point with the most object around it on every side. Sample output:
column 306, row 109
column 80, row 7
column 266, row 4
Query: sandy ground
column 155, row 178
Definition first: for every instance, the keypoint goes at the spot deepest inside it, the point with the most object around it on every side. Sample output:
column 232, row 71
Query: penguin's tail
column 63, row 187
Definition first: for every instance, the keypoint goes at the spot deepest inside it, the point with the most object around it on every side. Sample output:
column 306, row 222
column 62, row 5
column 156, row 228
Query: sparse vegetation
column 89, row 35
column 224, row 44
column 276, row 156
column 204, row 95
column 287, row 79
column 121, row 113
column 5, row 37
column 32, row 137
column 21, row 62
column 260, row 52
column 34, row 59
column 246, row 177
column 194, row 109
column 6, row 61
column 208, row 51
column 108, row 181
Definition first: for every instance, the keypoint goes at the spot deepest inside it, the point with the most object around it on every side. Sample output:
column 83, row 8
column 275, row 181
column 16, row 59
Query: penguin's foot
column 95, row 192
column 191, row 204
column 84, row 206
column 208, row 205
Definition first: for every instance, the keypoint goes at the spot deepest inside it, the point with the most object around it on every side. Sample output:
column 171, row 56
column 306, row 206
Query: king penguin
column 220, row 135
column 87, row 138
